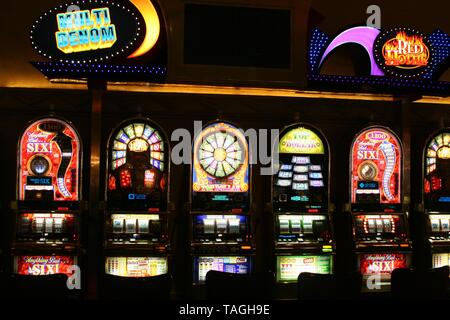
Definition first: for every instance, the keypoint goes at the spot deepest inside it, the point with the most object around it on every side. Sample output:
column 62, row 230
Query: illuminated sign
column 85, row 30
column 382, row 263
column 49, row 162
column 405, row 51
column 220, row 160
column 137, row 168
column 436, row 186
column 44, row 265
column 301, row 182
column 301, row 140
column 395, row 60
column 230, row 264
column 97, row 30
column 402, row 52
column 376, row 167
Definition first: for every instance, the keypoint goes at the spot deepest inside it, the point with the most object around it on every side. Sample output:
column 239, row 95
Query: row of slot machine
column 136, row 238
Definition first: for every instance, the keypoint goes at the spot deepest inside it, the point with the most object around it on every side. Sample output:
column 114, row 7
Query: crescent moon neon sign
column 152, row 27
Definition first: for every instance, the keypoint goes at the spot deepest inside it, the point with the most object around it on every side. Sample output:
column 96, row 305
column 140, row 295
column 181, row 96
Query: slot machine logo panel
column 301, row 183
column 220, row 170
column 436, row 188
column 44, row 265
column 376, row 168
column 49, row 162
column 137, row 169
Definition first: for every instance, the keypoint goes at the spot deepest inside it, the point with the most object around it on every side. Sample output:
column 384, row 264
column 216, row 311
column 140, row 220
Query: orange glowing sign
column 406, row 51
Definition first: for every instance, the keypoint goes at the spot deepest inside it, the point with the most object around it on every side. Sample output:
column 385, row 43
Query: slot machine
column 436, row 195
column 380, row 222
column 47, row 214
column 300, row 204
column 220, row 213
column 136, row 237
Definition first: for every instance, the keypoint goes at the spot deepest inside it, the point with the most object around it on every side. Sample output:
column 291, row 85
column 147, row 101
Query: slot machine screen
column 436, row 188
column 38, row 226
column 301, row 183
column 441, row 259
column 136, row 225
column 376, row 226
column 382, row 265
column 300, row 228
column 137, row 168
column 222, row 227
column 220, row 170
column 376, row 168
column 289, row 267
column 230, row 264
column 49, row 162
column 43, row 265
column 440, row 225
column 136, row 266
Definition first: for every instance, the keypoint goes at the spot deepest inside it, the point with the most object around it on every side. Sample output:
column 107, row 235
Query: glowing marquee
column 301, row 140
column 220, row 160
column 49, row 162
column 406, row 51
column 376, row 167
column 85, row 30
column 44, row 265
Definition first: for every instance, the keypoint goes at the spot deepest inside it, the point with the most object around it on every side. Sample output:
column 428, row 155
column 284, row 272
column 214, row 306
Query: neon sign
column 406, row 51
column 85, row 30
column 376, row 167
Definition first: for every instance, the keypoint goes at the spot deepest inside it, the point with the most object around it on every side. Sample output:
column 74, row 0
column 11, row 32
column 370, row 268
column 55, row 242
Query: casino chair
column 44, row 287
column 315, row 286
column 420, row 284
column 129, row 288
column 230, row 286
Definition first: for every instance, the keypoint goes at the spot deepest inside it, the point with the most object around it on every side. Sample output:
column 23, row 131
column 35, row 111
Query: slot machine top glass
column 49, row 162
column 220, row 170
column 301, row 182
column 376, row 171
column 137, row 178
column 436, row 182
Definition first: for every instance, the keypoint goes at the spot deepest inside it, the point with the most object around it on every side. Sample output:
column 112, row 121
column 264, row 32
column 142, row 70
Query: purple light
column 364, row 36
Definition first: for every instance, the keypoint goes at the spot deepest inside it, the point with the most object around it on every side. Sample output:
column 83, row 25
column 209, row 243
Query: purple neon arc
column 364, row 36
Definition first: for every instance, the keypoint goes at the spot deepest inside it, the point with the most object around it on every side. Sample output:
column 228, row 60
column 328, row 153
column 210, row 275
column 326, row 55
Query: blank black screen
column 237, row 36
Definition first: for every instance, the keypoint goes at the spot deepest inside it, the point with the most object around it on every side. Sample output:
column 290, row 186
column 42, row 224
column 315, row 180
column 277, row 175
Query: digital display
column 136, row 266
column 220, row 167
column 436, row 186
column 376, row 167
column 230, row 264
column 381, row 264
column 44, row 265
column 305, row 185
column 49, row 161
column 289, row 267
column 137, row 169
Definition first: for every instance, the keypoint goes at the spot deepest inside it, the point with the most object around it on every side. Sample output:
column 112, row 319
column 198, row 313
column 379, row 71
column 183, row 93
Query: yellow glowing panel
column 301, row 140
